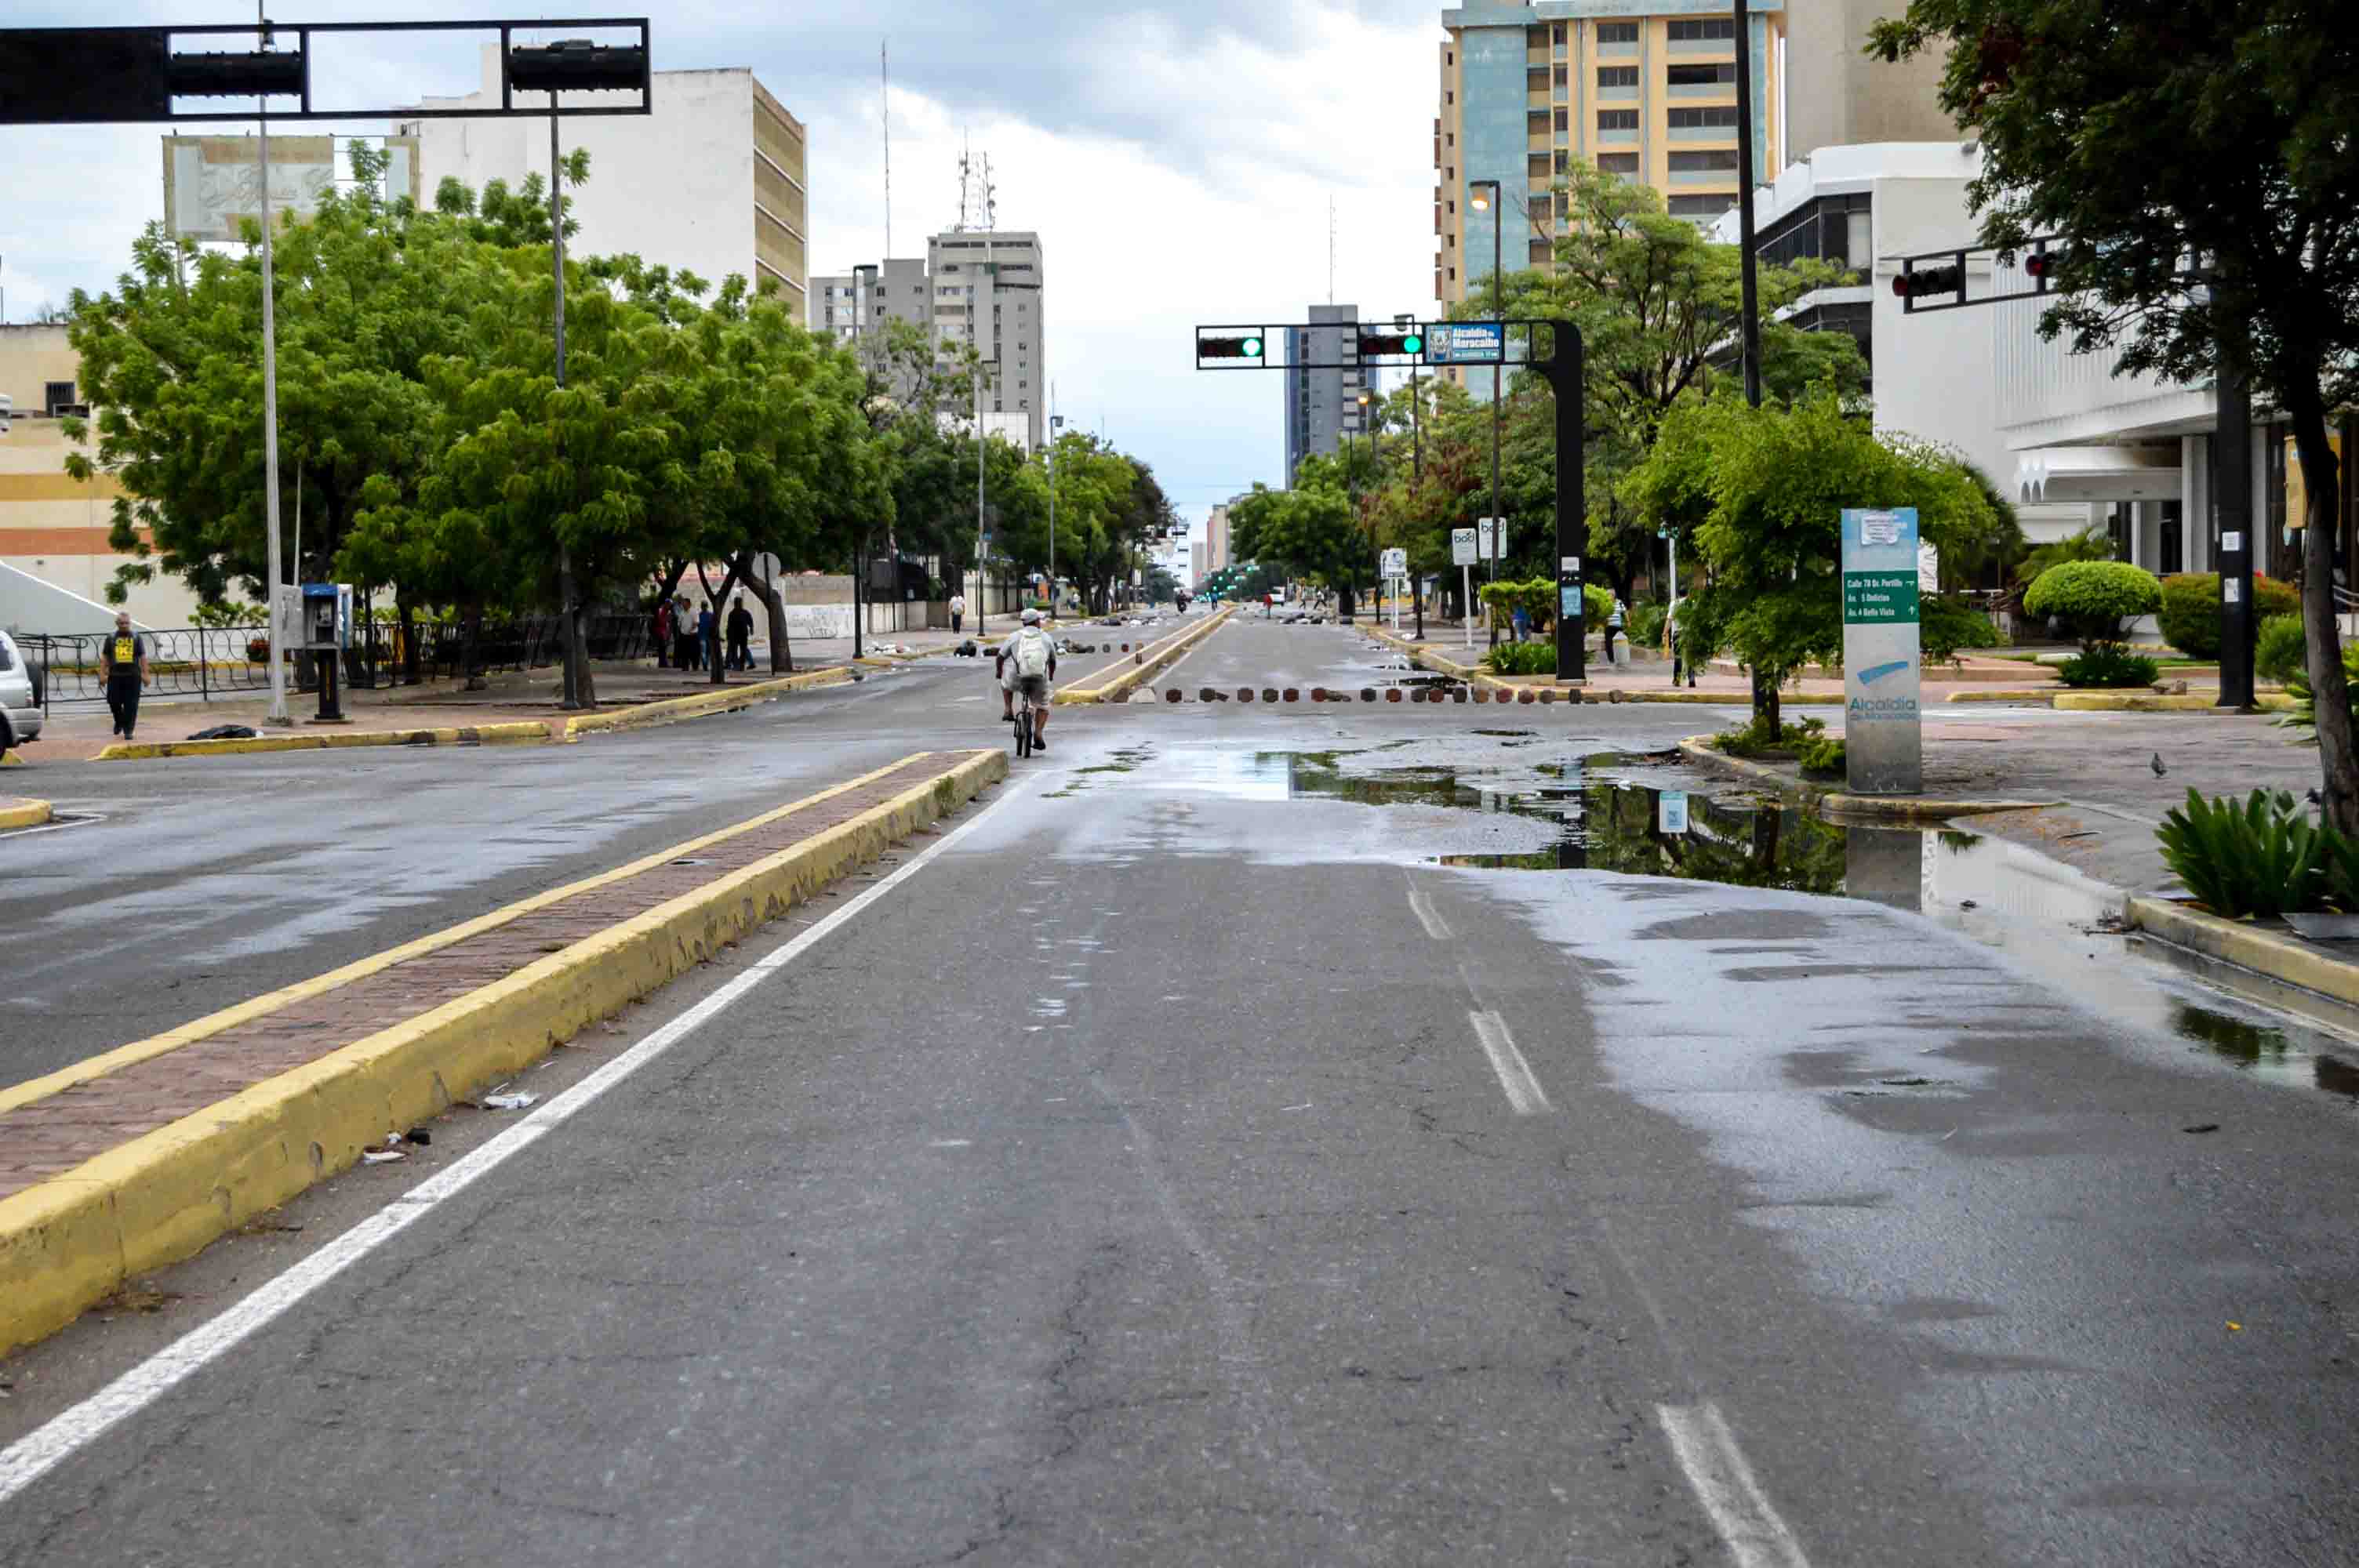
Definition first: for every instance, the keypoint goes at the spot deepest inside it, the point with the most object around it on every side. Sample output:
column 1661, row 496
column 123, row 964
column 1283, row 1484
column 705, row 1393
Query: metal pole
column 557, row 260
column 270, row 430
column 1498, row 372
column 1748, row 178
column 2232, row 487
column 1052, row 518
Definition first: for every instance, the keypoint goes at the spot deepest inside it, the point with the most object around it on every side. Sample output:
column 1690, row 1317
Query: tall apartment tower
column 712, row 183
column 986, row 291
column 1322, row 405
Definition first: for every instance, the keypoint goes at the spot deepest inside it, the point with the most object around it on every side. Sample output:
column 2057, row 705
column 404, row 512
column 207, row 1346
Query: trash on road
column 227, row 732
column 381, row 1156
column 510, row 1100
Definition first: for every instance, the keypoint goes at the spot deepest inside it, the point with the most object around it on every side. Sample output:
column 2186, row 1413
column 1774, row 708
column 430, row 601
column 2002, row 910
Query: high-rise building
column 987, row 293
column 1216, row 536
column 973, row 286
column 712, row 183
column 1322, row 405
column 1837, row 96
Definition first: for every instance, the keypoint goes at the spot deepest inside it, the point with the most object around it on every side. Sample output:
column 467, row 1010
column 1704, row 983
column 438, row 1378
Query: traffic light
column 1247, row 347
column 1403, row 341
column 1915, row 283
column 2048, row 266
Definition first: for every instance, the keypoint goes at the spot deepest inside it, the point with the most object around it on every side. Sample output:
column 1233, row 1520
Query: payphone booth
column 327, row 632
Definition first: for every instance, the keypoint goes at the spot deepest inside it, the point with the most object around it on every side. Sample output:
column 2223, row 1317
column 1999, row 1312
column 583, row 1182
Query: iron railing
column 210, row 662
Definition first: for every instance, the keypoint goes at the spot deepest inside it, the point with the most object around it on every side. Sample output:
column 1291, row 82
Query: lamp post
column 1056, row 423
column 1491, row 203
column 1751, row 325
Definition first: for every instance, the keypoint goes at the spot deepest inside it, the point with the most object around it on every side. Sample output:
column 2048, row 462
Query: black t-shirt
column 121, row 651
column 741, row 623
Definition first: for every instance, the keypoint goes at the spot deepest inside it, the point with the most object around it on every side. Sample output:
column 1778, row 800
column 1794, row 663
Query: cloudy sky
column 1177, row 161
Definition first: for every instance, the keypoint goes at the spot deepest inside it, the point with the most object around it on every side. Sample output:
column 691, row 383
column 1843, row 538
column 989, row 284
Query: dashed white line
column 1723, row 1483
column 1525, row 1096
column 1427, row 916
column 42, row 1450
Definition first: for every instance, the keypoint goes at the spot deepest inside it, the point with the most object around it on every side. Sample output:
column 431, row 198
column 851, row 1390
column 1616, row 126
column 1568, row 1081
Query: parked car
column 20, row 697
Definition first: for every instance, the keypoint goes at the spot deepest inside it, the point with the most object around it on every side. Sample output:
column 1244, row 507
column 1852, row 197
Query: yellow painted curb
column 72, row 1241
column 725, row 700
column 1835, row 803
column 2044, row 697
column 17, row 812
column 11, row 760
column 1426, row 658
column 2265, row 952
column 518, row 732
column 1147, row 663
column 2192, row 702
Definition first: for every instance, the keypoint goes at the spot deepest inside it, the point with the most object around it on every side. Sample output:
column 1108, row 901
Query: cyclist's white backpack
column 1031, row 653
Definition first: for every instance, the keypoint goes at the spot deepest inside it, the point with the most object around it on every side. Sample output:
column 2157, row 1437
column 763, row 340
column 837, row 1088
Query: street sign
column 1884, row 743
column 1463, row 550
column 1466, row 343
column 1487, row 542
column 1395, row 563
column 1672, row 812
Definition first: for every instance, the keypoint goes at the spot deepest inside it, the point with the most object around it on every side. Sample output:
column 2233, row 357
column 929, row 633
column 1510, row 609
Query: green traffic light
column 1252, row 348
column 1412, row 344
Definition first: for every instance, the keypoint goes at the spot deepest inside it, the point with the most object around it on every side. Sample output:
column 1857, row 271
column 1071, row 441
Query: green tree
column 1763, row 491
column 2168, row 145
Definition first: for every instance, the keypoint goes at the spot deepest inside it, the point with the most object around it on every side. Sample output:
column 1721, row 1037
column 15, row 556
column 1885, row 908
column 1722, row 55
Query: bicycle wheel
column 1024, row 730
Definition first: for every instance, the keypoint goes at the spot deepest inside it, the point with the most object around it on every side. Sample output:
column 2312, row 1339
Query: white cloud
column 1176, row 161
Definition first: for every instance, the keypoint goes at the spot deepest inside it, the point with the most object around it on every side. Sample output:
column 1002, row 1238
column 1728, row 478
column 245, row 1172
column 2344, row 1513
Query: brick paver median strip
column 51, row 1136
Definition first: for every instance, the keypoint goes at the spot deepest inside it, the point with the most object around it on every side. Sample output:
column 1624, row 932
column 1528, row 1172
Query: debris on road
column 510, row 1100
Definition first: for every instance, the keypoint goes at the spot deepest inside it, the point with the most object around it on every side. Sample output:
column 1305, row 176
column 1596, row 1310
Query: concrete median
column 1147, row 664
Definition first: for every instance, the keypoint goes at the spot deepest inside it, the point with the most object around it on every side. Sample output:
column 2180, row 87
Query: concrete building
column 1196, row 564
column 1836, row 96
column 1645, row 89
column 712, row 182
column 1322, row 405
column 977, row 287
column 55, row 561
column 1216, row 536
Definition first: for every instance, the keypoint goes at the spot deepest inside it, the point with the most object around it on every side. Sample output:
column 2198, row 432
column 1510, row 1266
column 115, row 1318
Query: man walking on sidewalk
column 958, row 612
column 741, row 635
column 124, row 659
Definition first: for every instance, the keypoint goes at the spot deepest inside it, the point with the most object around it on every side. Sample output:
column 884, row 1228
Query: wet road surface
column 1316, row 1135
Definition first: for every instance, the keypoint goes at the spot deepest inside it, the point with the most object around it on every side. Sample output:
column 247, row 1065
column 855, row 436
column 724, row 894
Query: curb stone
column 1700, row 749
column 2236, row 942
column 67, row 1241
column 18, row 812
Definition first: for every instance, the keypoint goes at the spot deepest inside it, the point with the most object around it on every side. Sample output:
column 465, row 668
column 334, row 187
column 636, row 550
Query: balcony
column 1704, row 134
column 1726, row 49
column 1725, row 90
column 1609, row 95
column 1610, row 139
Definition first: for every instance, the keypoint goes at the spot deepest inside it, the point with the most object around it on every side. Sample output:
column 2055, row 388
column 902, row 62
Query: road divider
column 1829, row 802
column 720, row 699
column 133, row 1160
column 1148, row 663
column 18, row 812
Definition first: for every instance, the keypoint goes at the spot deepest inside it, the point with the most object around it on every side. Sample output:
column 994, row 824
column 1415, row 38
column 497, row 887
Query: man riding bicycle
column 1026, row 663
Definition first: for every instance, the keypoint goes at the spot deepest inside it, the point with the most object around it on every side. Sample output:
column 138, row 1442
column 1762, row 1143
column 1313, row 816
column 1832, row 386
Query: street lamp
column 1490, row 203
column 1404, row 321
column 1056, row 423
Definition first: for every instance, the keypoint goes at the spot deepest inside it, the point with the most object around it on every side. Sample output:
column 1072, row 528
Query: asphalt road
column 1186, row 1162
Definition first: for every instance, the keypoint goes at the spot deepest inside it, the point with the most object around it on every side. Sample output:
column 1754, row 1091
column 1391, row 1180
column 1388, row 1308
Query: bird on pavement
column 2156, row 766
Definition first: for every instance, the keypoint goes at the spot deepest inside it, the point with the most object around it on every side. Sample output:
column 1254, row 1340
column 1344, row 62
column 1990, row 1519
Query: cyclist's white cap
column 1031, row 618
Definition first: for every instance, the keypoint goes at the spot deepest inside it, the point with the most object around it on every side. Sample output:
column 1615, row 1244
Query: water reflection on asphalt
column 1623, row 812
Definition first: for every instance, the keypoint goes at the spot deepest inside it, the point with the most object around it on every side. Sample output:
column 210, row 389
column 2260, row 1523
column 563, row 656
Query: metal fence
column 206, row 663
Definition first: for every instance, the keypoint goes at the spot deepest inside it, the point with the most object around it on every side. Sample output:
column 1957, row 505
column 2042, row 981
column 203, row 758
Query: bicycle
column 1026, row 720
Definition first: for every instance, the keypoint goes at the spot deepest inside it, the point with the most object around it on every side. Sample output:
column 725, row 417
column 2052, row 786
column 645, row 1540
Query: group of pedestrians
column 691, row 641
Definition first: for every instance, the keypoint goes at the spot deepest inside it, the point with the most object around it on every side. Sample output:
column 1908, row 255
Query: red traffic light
column 1916, row 283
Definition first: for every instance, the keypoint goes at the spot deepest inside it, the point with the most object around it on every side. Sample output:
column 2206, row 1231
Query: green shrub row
column 1521, row 659
column 2108, row 666
column 2189, row 616
column 2260, row 859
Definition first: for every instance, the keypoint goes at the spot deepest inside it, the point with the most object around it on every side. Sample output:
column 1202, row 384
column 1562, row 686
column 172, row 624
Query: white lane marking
column 1523, row 1091
column 58, row 827
column 1427, row 916
column 38, row 1453
column 1723, row 1483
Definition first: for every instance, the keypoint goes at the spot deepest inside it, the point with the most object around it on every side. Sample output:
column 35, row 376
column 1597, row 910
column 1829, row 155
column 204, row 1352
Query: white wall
column 676, row 187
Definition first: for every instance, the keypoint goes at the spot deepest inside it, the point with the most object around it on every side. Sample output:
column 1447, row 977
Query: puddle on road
column 1601, row 814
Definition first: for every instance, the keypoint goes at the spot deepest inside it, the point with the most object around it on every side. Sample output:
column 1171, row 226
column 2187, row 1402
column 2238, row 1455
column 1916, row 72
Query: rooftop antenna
column 885, row 107
column 978, row 199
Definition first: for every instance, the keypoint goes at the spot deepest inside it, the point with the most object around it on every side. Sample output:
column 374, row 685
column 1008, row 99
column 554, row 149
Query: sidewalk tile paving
column 51, row 1136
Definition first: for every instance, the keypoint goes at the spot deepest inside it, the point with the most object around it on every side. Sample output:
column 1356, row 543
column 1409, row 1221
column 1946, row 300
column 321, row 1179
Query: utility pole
column 1747, row 179
column 279, row 628
column 565, row 614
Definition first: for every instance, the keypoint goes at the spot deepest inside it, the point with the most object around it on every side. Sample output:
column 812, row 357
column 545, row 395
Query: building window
column 1623, row 164
column 1723, row 28
column 1701, row 119
column 57, row 395
column 1556, row 35
column 1448, row 96
column 1542, row 251
column 1622, row 119
column 1701, row 75
column 1619, row 32
column 1563, row 121
column 1536, row 166
column 1724, row 158
column 1536, row 36
column 1699, row 206
column 1454, row 277
column 1609, row 76
column 1535, row 78
column 1563, row 160
column 1536, row 120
